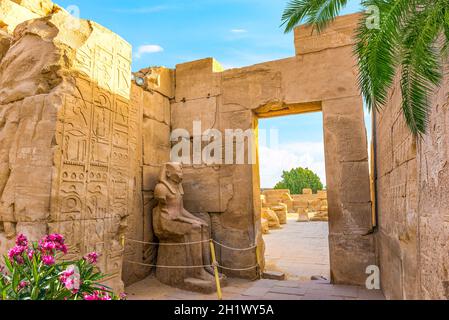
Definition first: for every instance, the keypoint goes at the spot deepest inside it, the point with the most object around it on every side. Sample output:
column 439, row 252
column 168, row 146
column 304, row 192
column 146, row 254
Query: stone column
column 350, row 218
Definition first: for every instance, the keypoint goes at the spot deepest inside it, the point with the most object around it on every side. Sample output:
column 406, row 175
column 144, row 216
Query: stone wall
column 236, row 98
column 152, row 99
column 412, row 185
column 68, row 138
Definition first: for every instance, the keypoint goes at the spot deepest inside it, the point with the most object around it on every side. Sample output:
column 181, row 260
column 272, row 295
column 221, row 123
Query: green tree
column 411, row 38
column 298, row 179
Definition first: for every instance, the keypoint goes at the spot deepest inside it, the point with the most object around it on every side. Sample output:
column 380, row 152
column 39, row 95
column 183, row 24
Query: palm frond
column 377, row 49
column 421, row 63
column 318, row 13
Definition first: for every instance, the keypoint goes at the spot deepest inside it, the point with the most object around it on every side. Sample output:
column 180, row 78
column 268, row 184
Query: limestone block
column 158, row 79
column 265, row 226
column 307, row 191
column 314, row 205
column 263, row 200
column 271, row 217
column 198, row 79
column 40, row 7
column 344, row 129
column 302, row 215
column 322, row 194
column 156, row 107
column 33, row 230
column 29, row 68
column 250, row 88
column 12, row 14
column 318, row 216
column 203, row 110
column 350, row 256
column 150, row 177
column 156, row 137
column 355, row 188
column 202, row 190
column 5, row 42
column 281, row 212
column 338, row 34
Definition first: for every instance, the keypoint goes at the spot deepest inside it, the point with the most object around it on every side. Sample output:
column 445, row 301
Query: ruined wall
column 68, row 136
column 318, row 78
column 412, row 191
column 14, row 12
column 152, row 99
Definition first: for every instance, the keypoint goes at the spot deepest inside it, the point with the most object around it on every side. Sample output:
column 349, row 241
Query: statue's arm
column 160, row 194
column 188, row 215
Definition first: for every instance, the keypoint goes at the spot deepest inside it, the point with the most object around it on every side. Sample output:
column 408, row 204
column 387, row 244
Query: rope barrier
column 168, row 267
column 215, row 265
column 192, row 243
column 168, row 244
column 191, row 267
column 234, row 249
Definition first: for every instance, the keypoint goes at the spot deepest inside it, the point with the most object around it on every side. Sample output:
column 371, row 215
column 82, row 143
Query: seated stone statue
column 173, row 224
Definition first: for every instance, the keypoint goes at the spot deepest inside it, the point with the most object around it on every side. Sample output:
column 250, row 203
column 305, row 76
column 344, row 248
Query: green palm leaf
column 421, row 66
column 318, row 13
column 406, row 40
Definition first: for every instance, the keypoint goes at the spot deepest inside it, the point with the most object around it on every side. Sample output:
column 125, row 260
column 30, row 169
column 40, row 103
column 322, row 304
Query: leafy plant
column 298, row 179
column 412, row 39
column 32, row 272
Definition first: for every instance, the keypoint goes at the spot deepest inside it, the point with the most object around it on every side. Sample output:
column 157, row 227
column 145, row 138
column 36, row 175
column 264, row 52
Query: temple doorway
column 293, row 195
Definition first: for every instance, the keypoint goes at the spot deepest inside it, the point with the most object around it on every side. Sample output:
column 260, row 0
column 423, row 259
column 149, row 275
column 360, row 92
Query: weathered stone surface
column 68, row 138
column 202, row 110
column 271, row 217
column 173, row 224
column 198, row 79
column 281, row 212
column 340, row 33
column 5, row 42
column 158, row 79
column 412, row 201
column 12, row 14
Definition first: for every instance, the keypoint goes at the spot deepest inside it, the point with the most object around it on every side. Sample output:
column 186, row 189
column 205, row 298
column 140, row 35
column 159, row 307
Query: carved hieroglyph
column 94, row 186
column 70, row 163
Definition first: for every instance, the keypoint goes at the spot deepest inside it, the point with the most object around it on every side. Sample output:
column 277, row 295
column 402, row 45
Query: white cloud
column 239, row 31
column 273, row 161
column 148, row 48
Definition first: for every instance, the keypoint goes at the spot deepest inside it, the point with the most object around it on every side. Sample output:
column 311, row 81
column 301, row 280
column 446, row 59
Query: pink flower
column 98, row 295
column 106, row 297
column 23, row 284
column 70, row 279
column 92, row 257
column 15, row 254
column 92, row 297
column 21, row 241
column 48, row 260
column 30, row 253
column 51, row 243
column 123, row 296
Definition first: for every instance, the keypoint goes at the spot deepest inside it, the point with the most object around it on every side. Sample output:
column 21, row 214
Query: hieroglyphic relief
column 95, row 174
column 105, row 58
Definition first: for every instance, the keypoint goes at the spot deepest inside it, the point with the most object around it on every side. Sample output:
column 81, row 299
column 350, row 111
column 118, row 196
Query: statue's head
column 173, row 171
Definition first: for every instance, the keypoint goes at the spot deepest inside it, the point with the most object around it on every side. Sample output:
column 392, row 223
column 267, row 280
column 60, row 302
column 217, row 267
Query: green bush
column 298, row 179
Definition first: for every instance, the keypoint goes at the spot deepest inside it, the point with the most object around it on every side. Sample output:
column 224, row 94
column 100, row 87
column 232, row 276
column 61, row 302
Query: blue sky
column 235, row 32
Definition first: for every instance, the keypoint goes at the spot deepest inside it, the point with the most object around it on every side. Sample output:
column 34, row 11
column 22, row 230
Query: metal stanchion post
column 217, row 276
